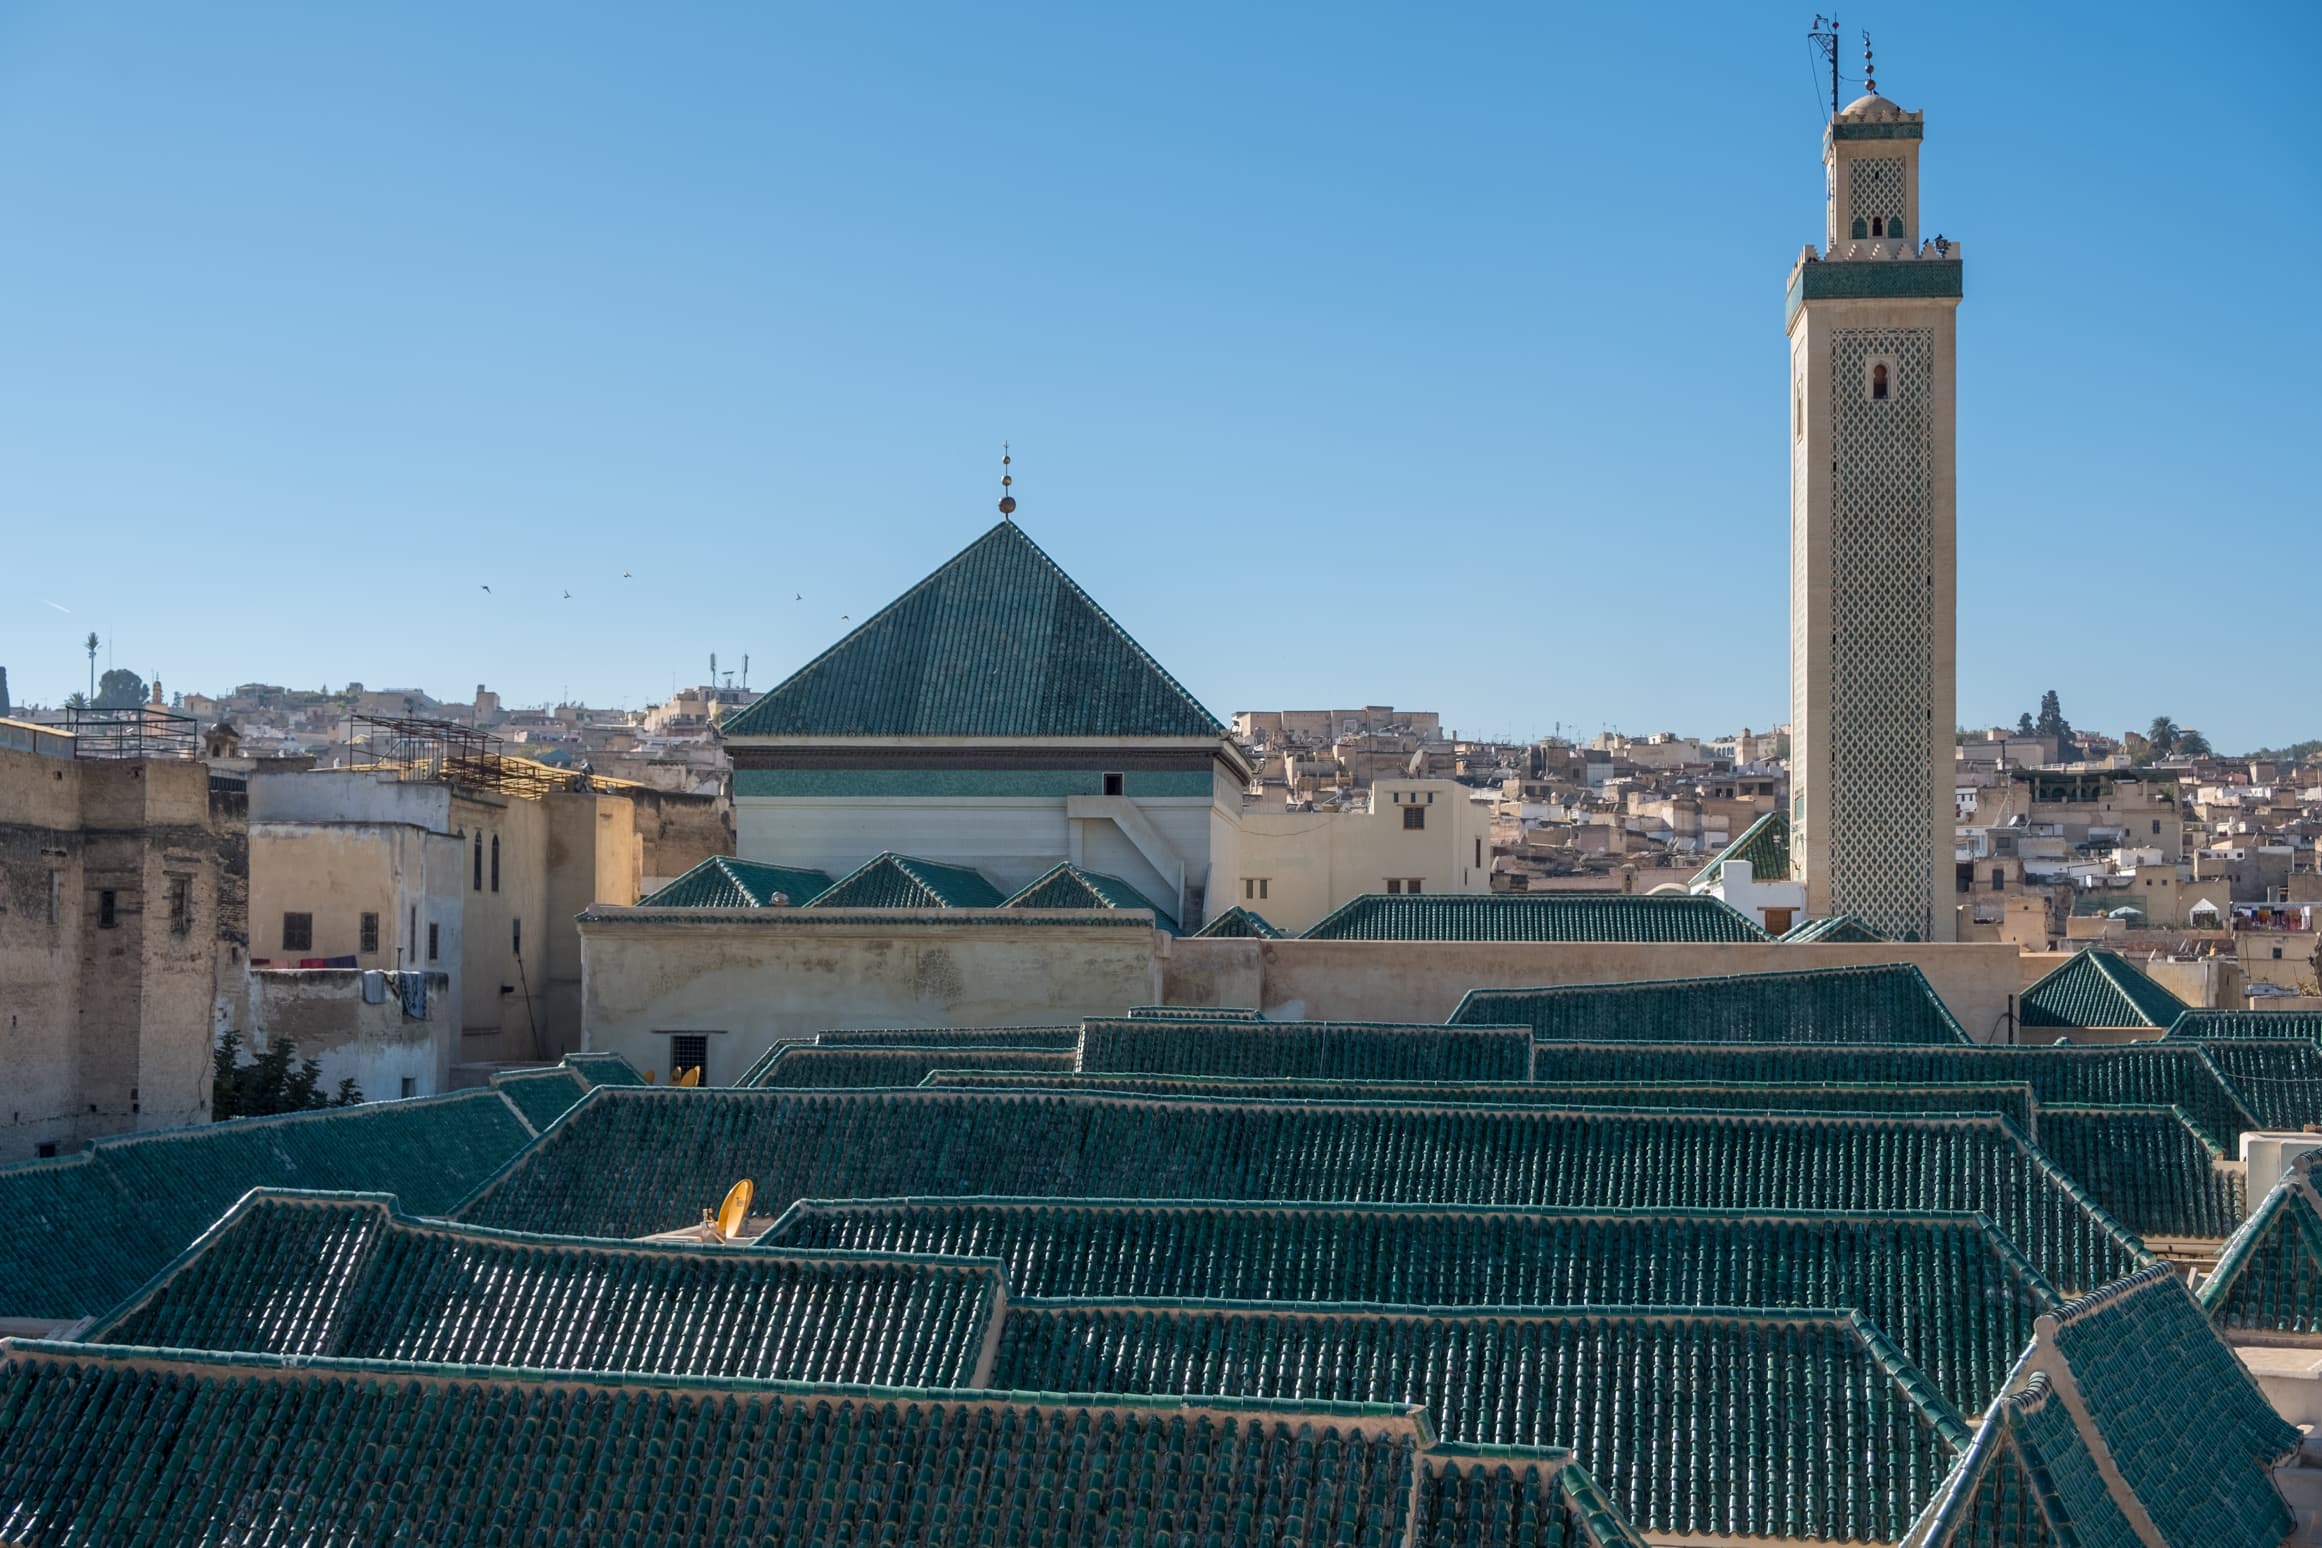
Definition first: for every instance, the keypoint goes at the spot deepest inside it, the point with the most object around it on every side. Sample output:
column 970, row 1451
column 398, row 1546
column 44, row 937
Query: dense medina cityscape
column 991, row 1098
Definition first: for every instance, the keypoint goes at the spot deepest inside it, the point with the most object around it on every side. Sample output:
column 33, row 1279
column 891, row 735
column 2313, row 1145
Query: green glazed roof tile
column 2247, row 1025
column 1238, row 923
column 1634, row 1394
column 1345, row 1050
column 136, row 1199
column 997, row 642
column 1765, row 844
column 899, row 881
column 1908, row 1273
column 352, row 1276
column 2278, row 1079
column 125, row 1444
column 2149, row 1167
column 2097, row 988
column 2190, row 1432
column 723, row 881
column 2013, row 1098
column 1068, row 886
column 2027, row 1481
column 542, row 1096
column 801, row 1065
column 950, row 1037
column 1881, row 1003
column 626, row 1163
column 1193, row 1013
column 2269, row 1277
column 604, row 1069
column 1839, row 928
column 1539, row 916
column 2144, row 1074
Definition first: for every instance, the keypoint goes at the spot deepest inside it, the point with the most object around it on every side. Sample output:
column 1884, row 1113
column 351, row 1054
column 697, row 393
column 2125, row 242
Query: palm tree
column 91, row 643
column 2163, row 735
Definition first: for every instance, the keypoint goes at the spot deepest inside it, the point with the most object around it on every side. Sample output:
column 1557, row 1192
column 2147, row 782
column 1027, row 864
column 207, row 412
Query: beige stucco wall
column 749, row 980
column 495, row 1025
column 1423, row 980
column 1315, row 862
column 323, row 1012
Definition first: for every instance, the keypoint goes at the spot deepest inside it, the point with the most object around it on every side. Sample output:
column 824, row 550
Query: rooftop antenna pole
column 1007, row 480
column 1825, row 37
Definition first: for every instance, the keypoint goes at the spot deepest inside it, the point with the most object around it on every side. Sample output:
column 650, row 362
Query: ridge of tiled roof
column 542, row 1095
column 1567, row 1377
column 2149, row 1167
column 79, row 1234
column 1905, row 1272
column 1050, row 1036
column 2141, row 1074
column 603, row 1069
column 483, row 1453
column 1837, row 928
column 996, row 642
column 2269, row 1277
column 622, row 1162
column 1325, row 1049
column 799, row 1066
column 1536, row 916
column 1070, row 886
column 2140, row 1348
column 2013, row 1098
column 2278, row 1079
column 353, row 1276
column 1886, row 1002
column 2245, row 1025
column 2097, row 988
column 890, row 880
column 1193, row 1013
column 1238, row 923
column 1765, row 844
column 727, row 881
column 2028, row 1480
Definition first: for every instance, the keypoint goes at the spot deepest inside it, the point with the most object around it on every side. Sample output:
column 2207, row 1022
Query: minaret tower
column 1873, row 537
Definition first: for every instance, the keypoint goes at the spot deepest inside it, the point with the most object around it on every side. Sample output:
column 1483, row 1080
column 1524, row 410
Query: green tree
column 2163, row 734
column 2193, row 745
column 2052, row 721
column 120, row 688
column 76, row 700
column 2024, row 725
column 269, row 1083
column 90, row 645
column 3, row 690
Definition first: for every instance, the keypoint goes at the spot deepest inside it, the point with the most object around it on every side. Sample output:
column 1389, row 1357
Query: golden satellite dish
column 692, row 1077
column 734, row 1213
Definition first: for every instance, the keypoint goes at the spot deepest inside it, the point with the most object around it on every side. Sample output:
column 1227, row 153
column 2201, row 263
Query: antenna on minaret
column 1870, row 72
column 1007, row 482
column 1824, row 36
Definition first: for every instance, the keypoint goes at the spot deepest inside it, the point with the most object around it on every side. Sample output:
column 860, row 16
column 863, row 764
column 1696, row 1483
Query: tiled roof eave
column 855, row 918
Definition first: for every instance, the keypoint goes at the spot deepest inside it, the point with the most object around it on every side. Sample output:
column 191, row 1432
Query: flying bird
column 487, row 588
column 844, row 618
column 568, row 596
column 625, row 575
column 798, row 596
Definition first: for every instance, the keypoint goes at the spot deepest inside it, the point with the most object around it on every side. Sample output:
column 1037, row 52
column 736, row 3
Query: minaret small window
column 1861, row 228
column 1895, row 226
column 1879, row 382
column 1878, row 226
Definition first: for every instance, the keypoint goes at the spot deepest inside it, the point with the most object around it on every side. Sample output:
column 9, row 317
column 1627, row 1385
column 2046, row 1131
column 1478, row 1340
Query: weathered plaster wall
column 751, row 982
column 323, row 1012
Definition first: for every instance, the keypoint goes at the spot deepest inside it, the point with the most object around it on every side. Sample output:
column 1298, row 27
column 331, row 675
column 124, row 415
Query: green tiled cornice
column 797, row 1066
column 997, row 642
column 2098, row 988
column 951, row 1037
column 1880, row 1003
column 1193, row 1013
column 970, row 784
column 2194, row 1024
column 627, row 1162
column 1540, row 916
column 1344, row 1050
column 1875, row 279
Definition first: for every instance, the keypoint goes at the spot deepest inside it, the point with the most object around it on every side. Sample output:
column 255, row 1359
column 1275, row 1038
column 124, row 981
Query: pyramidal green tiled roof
column 2028, row 1481
column 78, row 1235
column 2145, row 1074
column 1909, row 1273
column 114, row 1444
column 626, row 1163
column 1881, row 1003
column 1068, row 886
column 723, row 881
column 804, row 1065
column 542, row 1096
column 2098, row 988
column 998, row 642
column 2247, row 1025
column 2269, row 1278
column 1838, row 928
column 2148, row 1166
column 350, row 1275
column 604, row 1069
column 1238, row 923
column 899, row 881
column 1345, row 1050
column 1537, row 916
column 2278, row 1079
column 1852, row 1471
column 2140, row 1350
column 1765, row 844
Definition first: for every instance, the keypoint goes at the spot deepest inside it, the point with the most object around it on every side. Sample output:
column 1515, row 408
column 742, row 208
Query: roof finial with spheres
column 1870, row 72
column 1007, row 481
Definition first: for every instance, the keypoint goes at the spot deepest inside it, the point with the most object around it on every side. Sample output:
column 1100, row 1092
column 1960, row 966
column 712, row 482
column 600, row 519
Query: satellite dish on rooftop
column 734, row 1213
column 690, row 1076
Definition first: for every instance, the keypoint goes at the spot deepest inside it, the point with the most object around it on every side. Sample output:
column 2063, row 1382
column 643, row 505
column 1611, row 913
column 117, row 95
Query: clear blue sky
column 1417, row 355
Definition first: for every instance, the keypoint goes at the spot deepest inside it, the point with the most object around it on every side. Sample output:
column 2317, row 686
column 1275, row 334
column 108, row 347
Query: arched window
column 1882, row 392
column 1861, row 228
column 1895, row 226
column 1878, row 390
column 1878, row 226
column 476, row 879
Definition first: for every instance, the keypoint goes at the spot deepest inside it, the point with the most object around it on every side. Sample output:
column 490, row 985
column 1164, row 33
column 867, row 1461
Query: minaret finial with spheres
column 1870, row 72
column 1007, row 482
